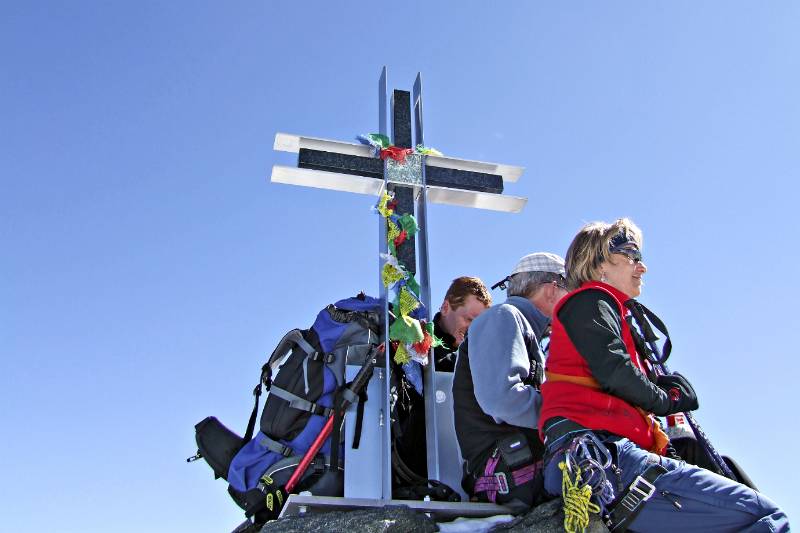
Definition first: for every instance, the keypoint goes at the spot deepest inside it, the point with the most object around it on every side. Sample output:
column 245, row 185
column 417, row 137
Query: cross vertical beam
column 383, row 248
column 429, row 372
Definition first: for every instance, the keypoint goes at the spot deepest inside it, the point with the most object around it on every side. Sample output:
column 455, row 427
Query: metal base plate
column 297, row 505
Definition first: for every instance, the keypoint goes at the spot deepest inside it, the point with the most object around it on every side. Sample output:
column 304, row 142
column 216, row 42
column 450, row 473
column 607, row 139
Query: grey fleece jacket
column 499, row 361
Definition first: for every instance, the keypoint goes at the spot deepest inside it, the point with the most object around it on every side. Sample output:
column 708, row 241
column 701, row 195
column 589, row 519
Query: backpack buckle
column 266, row 377
column 502, row 482
column 326, row 358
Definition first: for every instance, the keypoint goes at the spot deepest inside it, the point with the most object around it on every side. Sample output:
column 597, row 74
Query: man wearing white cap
column 496, row 396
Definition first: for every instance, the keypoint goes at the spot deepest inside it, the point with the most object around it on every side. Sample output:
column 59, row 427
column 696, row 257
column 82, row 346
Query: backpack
column 310, row 380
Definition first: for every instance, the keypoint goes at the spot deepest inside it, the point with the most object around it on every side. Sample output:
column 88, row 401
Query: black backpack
column 301, row 399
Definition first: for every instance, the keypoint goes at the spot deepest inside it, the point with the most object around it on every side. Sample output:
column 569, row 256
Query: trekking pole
column 702, row 438
column 358, row 383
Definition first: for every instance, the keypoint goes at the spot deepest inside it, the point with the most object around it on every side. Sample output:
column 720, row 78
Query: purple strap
column 526, row 473
column 488, row 483
column 492, row 483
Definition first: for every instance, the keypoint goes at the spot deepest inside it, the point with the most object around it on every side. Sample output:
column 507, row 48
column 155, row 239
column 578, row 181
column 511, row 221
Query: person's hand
column 682, row 396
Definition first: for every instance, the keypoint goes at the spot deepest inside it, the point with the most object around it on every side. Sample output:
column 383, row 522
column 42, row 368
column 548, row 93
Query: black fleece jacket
column 593, row 324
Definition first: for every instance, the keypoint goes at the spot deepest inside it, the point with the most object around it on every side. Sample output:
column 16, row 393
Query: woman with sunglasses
column 601, row 397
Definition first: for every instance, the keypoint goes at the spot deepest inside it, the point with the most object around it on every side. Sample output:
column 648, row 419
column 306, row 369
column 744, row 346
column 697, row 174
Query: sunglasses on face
column 630, row 252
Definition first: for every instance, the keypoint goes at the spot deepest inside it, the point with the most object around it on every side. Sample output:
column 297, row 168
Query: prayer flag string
column 411, row 335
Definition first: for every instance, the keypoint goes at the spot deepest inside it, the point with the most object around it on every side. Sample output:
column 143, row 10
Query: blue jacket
column 494, row 388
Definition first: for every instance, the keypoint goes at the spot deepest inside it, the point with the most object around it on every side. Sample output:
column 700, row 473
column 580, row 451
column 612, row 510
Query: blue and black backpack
column 302, row 378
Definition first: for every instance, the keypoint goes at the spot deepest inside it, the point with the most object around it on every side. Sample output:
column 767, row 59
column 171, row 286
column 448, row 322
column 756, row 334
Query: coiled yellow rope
column 577, row 500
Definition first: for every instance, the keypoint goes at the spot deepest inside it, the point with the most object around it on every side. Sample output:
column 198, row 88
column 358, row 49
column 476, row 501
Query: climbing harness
column 584, row 478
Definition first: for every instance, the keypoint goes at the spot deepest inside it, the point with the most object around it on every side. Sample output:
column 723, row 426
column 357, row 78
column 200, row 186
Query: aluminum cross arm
column 366, row 185
column 478, row 200
column 286, row 142
column 326, row 180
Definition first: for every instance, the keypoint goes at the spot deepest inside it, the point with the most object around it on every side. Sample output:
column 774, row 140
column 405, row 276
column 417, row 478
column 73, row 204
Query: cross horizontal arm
column 365, row 185
column 373, row 167
column 286, row 142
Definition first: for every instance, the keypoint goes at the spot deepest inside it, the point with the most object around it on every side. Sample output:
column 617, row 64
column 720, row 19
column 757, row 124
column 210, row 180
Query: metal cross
column 423, row 178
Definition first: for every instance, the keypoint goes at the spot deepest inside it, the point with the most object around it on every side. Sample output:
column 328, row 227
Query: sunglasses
column 631, row 253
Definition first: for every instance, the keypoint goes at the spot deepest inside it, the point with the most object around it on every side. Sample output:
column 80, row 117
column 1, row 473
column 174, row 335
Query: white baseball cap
column 540, row 262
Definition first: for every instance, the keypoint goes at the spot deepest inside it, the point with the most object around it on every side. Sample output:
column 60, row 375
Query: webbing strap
column 644, row 317
column 297, row 402
column 338, row 416
column 633, row 499
column 251, row 424
column 497, row 482
column 305, row 375
column 491, row 483
column 302, row 343
column 362, row 397
column 292, row 338
column 295, row 337
column 326, row 358
column 275, row 446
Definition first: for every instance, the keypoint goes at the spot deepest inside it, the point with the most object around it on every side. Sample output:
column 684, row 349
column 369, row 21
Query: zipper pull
column 672, row 499
column 195, row 457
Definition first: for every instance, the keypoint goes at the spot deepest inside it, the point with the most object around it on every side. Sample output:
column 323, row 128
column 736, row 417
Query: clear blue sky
column 148, row 265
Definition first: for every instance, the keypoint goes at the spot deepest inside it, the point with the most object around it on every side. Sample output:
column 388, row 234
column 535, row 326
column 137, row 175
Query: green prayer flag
column 380, row 139
column 406, row 330
column 412, row 285
column 409, row 223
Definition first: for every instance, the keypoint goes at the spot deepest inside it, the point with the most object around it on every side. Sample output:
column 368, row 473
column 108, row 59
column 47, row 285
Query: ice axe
column 354, row 388
column 639, row 311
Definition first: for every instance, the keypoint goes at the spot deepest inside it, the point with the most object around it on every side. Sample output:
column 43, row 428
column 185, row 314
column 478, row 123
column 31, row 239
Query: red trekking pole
column 358, row 383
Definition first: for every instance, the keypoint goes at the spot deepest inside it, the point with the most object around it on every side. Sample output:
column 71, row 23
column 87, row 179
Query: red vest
column 588, row 406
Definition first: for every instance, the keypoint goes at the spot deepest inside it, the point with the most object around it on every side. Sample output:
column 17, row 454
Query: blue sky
column 148, row 265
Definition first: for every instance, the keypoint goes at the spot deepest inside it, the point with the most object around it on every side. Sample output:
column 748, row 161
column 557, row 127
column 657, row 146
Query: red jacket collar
column 618, row 294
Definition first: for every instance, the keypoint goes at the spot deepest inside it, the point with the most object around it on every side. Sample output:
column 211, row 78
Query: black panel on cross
column 401, row 136
column 342, row 163
column 463, row 179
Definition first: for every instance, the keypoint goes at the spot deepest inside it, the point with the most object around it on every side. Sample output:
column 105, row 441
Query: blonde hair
column 590, row 248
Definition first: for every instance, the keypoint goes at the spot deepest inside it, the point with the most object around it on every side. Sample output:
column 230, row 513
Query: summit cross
column 419, row 180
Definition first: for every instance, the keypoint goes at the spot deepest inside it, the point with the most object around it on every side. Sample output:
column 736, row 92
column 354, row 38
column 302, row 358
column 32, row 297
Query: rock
column 389, row 519
column 547, row 518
